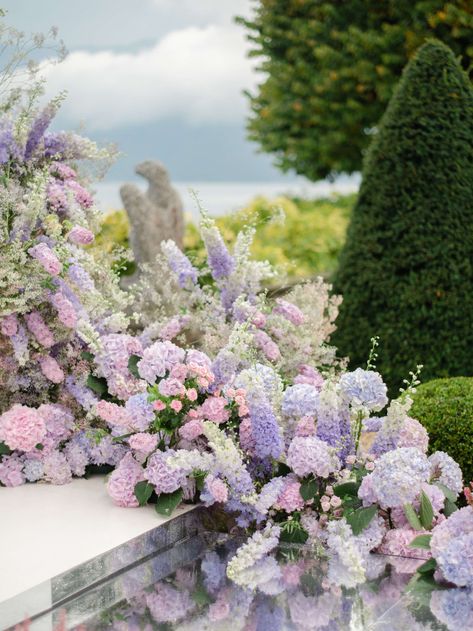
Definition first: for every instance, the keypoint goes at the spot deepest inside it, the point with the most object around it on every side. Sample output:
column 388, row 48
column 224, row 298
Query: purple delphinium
column 179, row 263
column 220, row 261
column 38, row 128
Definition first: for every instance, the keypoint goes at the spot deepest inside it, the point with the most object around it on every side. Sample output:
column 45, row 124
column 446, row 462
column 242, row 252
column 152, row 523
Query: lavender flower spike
column 179, row 264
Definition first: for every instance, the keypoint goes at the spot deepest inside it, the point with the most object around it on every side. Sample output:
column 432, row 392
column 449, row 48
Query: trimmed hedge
column 445, row 409
column 406, row 272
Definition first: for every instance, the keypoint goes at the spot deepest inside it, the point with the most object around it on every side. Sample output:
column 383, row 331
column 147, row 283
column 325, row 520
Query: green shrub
column 329, row 69
column 406, row 272
column 445, row 409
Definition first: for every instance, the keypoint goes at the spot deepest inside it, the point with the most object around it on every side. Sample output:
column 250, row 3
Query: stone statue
column 155, row 215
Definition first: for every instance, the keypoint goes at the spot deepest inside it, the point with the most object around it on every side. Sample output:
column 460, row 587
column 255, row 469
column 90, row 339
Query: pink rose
column 22, row 428
column 176, row 405
column 191, row 394
column 159, row 405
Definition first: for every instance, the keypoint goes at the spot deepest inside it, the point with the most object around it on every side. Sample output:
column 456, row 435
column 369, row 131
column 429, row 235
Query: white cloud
column 196, row 74
column 211, row 11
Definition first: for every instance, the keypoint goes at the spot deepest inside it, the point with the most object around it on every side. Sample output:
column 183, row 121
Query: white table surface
column 46, row 530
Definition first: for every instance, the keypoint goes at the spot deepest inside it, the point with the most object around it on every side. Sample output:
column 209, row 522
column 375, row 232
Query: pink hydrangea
column 121, row 483
column 215, row 490
column 65, row 310
column 51, row 369
column 308, row 454
column 9, row 325
column 267, row 345
column 81, row 236
column 171, row 387
column 214, row 409
column 413, row 434
column 22, row 428
column 308, row 374
column 192, row 429
column 396, row 543
column 143, row 442
column 289, row 311
column 168, row 604
column 39, row 329
column 57, row 198
column 290, row 498
column 46, row 257
column 306, row 427
column 219, row 610
column 115, row 415
column 11, row 471
column 258, row 320
column 58, row 420
column 56, row 468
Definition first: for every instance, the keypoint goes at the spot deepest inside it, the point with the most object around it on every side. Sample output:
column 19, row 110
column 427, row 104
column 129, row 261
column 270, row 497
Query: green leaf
column 308, row 489
column 295, row 535
column 412, row 517
column 426, row 512
column 361, row 517
column 428, row 567
column 449, row 494
column 133, row 365
column 167, row 502
column 97, row 384
column 4, row 449
column 143, row 491
column 449, row 507
column 86, row 355
column 347, row 488
column 199, row 477
column 421, row 541
column 200, row 595
column 39, row 446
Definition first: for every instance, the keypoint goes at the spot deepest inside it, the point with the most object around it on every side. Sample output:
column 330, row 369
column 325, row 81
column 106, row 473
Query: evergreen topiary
column 445, row 409
column 406, row 272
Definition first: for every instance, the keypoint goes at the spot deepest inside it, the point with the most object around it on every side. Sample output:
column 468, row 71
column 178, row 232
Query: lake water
column 224, row 197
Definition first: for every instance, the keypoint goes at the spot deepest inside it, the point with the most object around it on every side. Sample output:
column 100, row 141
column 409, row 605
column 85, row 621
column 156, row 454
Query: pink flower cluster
column 81, row 236
column 38, row 327
column 22, row 428
column 46, row 257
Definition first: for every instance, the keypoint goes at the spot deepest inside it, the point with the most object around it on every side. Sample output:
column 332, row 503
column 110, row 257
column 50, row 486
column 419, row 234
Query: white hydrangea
column 445, row 470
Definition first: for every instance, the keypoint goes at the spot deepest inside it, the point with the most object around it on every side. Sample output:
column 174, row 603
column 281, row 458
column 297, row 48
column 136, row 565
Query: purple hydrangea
column 397, row 478
column 364, row 389
column 140, row 411
column 300, row 400
column 309, row 455
column 445, row 470
column 164, row 478
column 158, row 359
column 451, row 546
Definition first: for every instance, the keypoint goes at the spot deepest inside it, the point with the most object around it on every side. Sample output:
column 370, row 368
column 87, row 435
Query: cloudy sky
column 161, row 78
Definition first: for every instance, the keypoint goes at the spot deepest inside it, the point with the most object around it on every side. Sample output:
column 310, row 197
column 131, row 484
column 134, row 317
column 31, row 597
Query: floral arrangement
column 56, row 301
column 210, row 390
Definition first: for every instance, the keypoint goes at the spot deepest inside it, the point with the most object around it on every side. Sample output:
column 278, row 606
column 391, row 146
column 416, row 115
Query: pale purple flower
column 398, row 476
column 451, row 546
column 159, row 358
column 81, row 277
column 65, row 309
column 38, row 327
column 9, row 325
column 40, row 125
column 453, row 608
column 179, row 263
column 33, row 469
column 269, row 348
column 46, row 258
column 11, row 471
column 445, row 470
column 164, row 478
column 308, row 374
column 215, row 491
column 140, row 411
column 289, row 311
column 121, row 483
column 56, row 468
column 309, row 455
column 77, row 457
column 300, row 400
column 220, row 261
column 364, row 389
column 81, row 236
